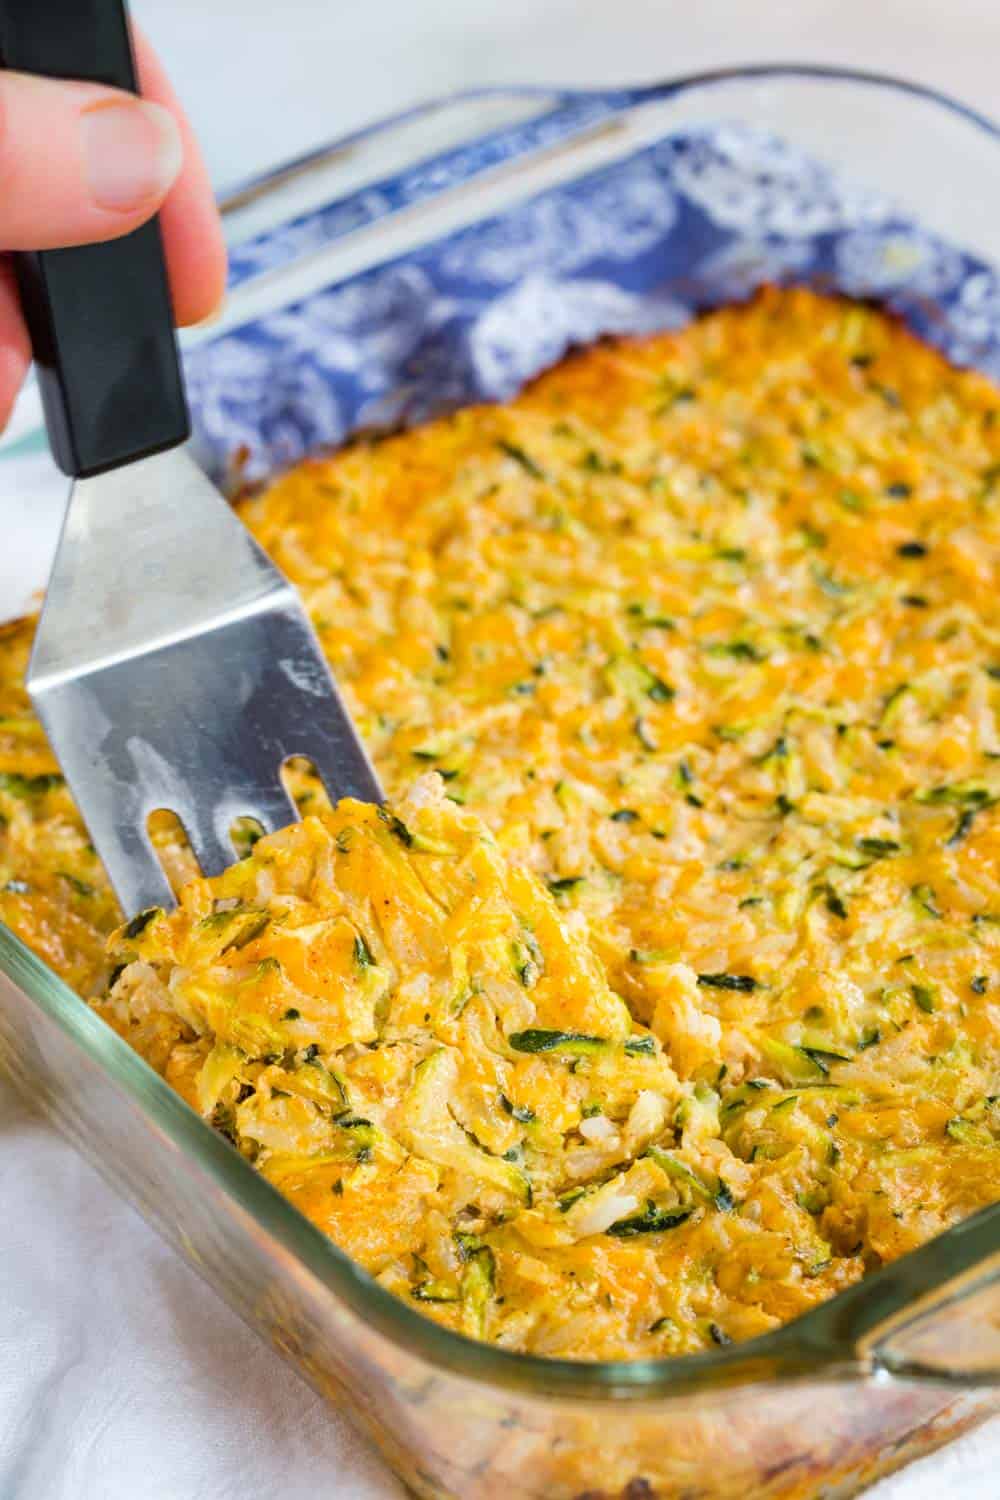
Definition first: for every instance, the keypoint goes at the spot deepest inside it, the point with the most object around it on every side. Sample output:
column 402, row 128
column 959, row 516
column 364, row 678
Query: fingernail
column 132, row 153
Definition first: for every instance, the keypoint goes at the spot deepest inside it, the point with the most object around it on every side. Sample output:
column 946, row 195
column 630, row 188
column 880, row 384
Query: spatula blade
column 174, row 667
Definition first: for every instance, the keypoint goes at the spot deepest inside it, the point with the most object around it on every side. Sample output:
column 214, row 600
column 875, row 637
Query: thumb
column 79, row 162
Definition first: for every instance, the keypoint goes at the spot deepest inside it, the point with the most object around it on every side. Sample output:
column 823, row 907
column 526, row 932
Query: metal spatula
column 174, row 667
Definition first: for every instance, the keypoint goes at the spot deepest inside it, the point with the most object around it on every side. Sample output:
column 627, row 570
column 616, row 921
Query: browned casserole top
column 669, row 1006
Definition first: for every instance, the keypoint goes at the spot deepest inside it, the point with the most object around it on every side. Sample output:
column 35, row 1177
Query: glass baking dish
column 445, row 257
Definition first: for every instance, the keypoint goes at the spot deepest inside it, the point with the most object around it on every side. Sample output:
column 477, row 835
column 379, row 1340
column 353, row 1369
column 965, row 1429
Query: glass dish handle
column 422, row 130
column 949, row 1332
column 345, row 185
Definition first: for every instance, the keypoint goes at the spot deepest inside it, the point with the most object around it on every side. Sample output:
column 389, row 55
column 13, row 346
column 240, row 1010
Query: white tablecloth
column 120, row 1374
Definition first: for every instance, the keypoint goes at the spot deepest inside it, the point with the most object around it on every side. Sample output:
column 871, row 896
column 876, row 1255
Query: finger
column 15, row 349
column 192, row 233
column 79, row 162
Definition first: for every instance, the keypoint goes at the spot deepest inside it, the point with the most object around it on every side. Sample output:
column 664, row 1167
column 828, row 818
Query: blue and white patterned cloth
column 699, row 218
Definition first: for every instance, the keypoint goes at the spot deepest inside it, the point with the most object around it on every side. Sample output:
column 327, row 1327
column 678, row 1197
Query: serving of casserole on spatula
column 174, row 666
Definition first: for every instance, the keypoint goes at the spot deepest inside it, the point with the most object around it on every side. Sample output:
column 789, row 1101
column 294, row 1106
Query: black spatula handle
column 99, row 315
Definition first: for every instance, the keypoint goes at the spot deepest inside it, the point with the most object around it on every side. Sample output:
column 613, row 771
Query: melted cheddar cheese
column 668, row 1005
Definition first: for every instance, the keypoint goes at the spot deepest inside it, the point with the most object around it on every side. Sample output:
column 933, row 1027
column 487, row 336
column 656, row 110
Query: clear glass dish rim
column 823, row 1343
column 232, row 194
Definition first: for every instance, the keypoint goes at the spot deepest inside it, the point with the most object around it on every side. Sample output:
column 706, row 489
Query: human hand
column 80, row 163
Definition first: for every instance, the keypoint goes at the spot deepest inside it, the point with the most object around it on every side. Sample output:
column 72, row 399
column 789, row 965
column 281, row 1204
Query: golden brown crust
column 705, row 627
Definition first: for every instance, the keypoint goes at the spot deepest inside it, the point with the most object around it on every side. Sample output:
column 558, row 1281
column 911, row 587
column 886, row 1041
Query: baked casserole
column 661, row 1002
